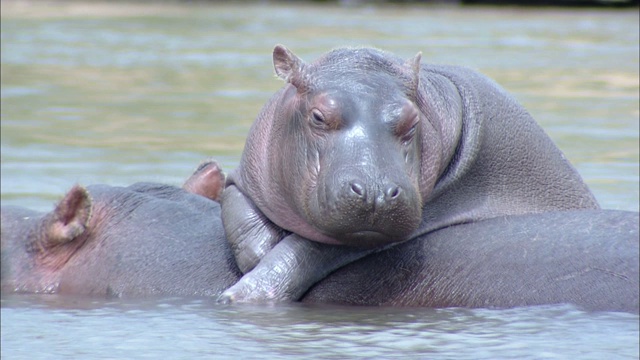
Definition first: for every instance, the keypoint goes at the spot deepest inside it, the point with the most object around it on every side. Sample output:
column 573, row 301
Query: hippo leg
column 278, row 266
column 289, row 270
column 207, row 180
column 250, row 234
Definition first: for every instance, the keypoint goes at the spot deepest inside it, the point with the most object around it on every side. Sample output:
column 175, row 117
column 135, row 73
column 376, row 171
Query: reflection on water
column 99, row 93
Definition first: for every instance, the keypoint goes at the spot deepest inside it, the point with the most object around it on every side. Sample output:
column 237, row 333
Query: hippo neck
column 440, row 104
column 504, row 163
column 459, row 148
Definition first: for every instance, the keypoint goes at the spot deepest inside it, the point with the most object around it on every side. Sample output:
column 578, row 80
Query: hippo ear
column 207, row 180
column 70, row 218
column 413, row 67
column 288, row 66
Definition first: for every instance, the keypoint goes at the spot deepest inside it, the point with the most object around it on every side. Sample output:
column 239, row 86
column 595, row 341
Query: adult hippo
column 152, row 239
column 142, row 239
column 364, row 149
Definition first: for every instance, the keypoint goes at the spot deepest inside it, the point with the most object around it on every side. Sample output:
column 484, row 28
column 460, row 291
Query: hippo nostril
column 357, row 189
column 392, row 192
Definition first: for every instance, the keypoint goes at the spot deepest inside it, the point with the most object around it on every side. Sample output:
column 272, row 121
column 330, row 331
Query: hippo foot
column 247, row 291
column 291, row 268
column 280, row 276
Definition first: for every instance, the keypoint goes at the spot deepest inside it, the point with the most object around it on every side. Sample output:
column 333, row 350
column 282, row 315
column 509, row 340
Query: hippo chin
column 364, row 149
column 152, row 239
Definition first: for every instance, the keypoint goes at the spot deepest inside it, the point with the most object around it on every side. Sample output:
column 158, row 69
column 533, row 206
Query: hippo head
column 345, row 147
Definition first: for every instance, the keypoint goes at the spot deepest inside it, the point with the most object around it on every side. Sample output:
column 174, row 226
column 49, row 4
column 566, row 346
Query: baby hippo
column 361, row 150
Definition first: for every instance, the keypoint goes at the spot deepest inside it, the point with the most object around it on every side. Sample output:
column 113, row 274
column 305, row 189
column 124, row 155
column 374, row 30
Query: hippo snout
column 375, row 197
column 364, row 211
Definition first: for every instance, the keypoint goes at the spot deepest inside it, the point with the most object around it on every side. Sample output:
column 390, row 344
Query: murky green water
column 98, row 93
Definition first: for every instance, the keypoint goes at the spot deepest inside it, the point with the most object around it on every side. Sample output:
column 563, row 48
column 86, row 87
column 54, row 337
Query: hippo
column 159, row 240
column 363, row 149
column 121, row 240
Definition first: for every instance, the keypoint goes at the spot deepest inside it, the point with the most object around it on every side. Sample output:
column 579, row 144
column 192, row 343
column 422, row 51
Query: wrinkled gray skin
column 586, row 257
column 364, row 149
column 132, row 240
column 151, row 239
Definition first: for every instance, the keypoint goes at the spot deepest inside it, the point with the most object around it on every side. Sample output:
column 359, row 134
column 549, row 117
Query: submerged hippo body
column 586, row 257
column 151, row 239
column 143, row 239
column 362, row 148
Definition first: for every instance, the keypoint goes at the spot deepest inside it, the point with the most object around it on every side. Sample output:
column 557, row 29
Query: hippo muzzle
column 366, row 208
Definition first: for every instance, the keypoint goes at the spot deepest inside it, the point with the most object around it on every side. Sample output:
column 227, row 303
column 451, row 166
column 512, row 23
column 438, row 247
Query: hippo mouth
column 367, row 239
column 367, row 225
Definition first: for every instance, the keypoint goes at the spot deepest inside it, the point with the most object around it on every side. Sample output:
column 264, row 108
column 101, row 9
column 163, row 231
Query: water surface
column 177, row 328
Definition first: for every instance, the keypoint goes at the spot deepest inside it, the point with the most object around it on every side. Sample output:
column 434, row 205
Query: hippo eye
column 317, row 118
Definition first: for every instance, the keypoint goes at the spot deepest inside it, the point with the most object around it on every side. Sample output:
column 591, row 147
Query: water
column 99, row 93
column 175, row 328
